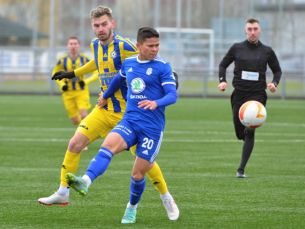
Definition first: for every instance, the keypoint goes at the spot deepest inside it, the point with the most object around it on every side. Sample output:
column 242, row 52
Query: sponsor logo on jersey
column 148, row 71
column 107, row 74
column 137, row 85
column 138, row 97
column 106, row 81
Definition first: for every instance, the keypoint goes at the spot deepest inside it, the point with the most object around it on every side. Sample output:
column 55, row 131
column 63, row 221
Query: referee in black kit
column 251, row 58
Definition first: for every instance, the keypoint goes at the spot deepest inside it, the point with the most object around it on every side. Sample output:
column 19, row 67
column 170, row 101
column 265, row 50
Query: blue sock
column 136, row 189
column 99, row 163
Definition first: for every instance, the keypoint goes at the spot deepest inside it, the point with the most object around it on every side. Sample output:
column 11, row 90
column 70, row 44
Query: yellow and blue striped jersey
column 108, row 60
column 67, row 64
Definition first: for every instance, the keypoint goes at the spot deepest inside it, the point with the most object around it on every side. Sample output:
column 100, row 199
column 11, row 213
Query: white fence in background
column 23, row 70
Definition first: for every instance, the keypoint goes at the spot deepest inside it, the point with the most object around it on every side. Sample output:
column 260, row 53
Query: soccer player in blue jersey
column 151, row 87
column 109, row 51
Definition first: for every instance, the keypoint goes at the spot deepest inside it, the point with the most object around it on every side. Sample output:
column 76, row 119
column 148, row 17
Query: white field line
column 167, row 132
column 58, row 140
column 38, row 129
column 189, row 123
column 259, row 133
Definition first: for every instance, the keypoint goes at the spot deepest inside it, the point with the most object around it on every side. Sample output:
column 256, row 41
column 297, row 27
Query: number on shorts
column 148, row 143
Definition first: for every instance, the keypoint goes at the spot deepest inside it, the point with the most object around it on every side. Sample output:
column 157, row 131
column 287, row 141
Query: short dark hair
column 252, row 20
column 146, row 32
column 73, row 38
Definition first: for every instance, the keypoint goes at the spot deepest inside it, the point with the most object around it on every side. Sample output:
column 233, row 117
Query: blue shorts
column 148, row 140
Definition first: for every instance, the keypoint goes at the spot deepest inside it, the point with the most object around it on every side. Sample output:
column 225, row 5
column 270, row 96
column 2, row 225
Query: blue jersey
column 145, row 80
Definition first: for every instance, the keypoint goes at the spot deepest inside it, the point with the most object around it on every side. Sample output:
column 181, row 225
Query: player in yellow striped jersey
column 109, row 51
column 75, row 92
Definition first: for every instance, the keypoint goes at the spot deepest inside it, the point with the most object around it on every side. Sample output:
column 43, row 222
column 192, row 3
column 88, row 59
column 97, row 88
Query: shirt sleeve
column 85, row 69
column 226, row 61
column 170, row 96
column 275, row 68
column 167, row 76
column 129, row 49
column 92, row 78
column 59, row 67
column 169, row 86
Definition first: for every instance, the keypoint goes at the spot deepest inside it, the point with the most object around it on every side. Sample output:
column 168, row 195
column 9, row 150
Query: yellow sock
column 156, row 177
column 69, row 165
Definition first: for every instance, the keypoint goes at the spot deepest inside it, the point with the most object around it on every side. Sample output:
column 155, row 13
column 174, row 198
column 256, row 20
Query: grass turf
column 199, row 156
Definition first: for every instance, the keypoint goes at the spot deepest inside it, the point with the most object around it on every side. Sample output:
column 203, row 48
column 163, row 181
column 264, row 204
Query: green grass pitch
column 199, row 157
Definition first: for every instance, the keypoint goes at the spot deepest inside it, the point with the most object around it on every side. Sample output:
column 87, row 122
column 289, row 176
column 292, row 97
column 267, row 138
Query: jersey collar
column 142, row 61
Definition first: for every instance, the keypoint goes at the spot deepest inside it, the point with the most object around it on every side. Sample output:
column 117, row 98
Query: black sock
column 247, row 149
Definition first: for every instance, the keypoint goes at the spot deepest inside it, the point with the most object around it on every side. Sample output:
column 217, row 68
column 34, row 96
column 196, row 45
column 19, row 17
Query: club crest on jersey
column 148, row 71
column 113, row 55
column 137, row 85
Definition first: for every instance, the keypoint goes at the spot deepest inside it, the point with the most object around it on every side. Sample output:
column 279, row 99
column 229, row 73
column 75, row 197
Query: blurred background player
column 151, row 88
column 109, row 51
column 251, row 58
column 75, row 92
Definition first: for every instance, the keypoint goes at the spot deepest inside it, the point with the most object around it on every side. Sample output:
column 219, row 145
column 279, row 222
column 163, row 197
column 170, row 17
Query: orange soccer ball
column 252, row 114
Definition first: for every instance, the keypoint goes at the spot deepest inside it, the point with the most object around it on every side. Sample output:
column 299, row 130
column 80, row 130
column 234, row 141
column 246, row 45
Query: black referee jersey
column 251, row 59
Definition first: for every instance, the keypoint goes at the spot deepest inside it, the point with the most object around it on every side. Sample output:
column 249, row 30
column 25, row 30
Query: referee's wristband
column 222, row 79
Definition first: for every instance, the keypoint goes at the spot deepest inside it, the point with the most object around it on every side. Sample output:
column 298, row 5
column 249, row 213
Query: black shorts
column 237, row 99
